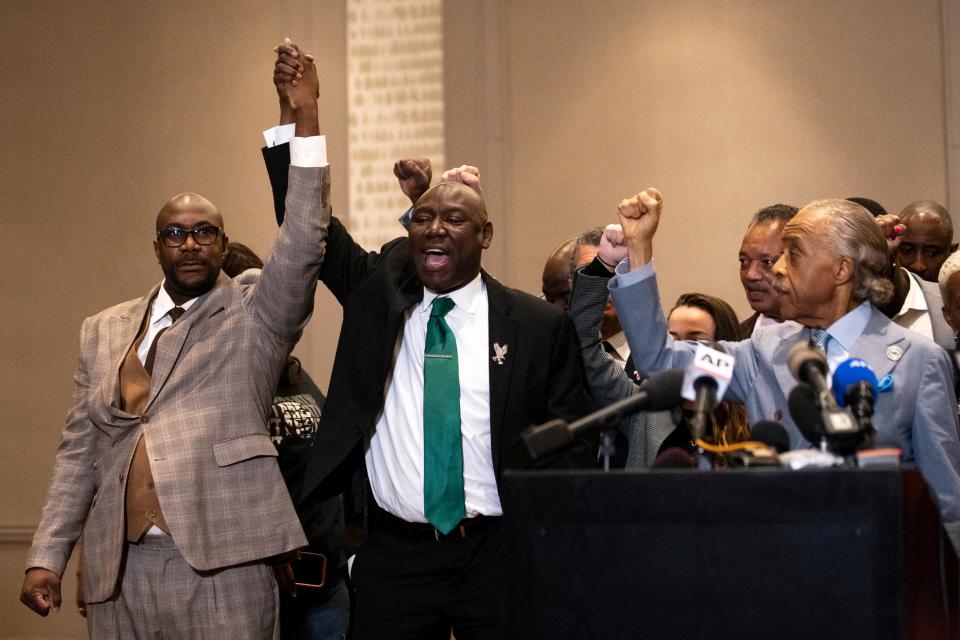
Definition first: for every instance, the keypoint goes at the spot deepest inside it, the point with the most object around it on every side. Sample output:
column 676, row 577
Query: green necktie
column 442, row 449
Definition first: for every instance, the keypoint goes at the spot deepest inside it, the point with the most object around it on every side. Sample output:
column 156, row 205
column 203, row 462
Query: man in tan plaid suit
column 165, row 463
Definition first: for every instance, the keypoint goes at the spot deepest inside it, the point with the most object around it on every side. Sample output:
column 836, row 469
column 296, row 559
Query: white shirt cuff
column 281, row 134
column 308, row 152
column 625, row 277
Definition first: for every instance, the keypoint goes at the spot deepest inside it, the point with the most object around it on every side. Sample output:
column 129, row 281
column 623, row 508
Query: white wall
column 726, row 106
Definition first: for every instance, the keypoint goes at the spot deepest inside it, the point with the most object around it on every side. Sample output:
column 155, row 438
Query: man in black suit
column 430, row 567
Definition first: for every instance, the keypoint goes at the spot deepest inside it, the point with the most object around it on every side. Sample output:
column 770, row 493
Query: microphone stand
column 607, row 447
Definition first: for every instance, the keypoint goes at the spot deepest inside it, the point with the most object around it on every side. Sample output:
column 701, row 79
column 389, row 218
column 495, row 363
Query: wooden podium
column 726, row 554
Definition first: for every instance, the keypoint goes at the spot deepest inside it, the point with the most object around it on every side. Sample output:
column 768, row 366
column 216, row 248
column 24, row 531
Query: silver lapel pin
column 501, row 353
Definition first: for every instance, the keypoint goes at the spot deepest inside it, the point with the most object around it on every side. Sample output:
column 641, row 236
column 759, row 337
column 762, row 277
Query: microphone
column 809, row 365
column 674, row 458
column 657, row 393
column 820, row 423
column 772, row 434
column 803, row 409
column 855, row 386
column 704, row 382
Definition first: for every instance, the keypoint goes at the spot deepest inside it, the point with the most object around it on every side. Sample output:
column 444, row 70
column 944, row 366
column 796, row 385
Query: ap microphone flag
column 708, row 363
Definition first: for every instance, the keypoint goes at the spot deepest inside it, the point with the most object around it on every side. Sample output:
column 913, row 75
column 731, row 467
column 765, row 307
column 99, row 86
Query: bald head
column 448, row 233
column 459, row 192
column 189, row 202
column 928, row 208
column 556, row 274
column 189, row 246
column 928, row 239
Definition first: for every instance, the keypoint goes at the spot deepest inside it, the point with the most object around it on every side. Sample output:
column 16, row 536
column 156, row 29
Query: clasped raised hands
column 295, row 75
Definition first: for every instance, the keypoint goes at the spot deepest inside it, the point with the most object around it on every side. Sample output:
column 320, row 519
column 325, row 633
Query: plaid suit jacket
column 204, row 427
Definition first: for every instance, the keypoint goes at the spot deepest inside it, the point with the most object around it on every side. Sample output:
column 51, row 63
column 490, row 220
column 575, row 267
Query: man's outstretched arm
column 283, row 297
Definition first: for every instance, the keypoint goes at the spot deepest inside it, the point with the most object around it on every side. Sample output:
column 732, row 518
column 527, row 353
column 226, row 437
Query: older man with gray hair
column 829, row 278
column 950, row 291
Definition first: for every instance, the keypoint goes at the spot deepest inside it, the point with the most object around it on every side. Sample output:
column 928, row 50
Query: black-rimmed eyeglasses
column 204, row 234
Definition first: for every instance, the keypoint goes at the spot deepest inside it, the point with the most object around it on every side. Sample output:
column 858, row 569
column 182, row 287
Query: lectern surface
column 728, row 554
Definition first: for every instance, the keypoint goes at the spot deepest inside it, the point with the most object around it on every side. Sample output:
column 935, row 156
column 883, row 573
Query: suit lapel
column 503, row 333
column 876, row 346
column 172, row 342
column 408, row 292
column 123, row 331
column 880, row 348
column 781, row 353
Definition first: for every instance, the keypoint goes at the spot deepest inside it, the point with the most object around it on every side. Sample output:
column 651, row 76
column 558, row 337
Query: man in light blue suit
column 829, row 277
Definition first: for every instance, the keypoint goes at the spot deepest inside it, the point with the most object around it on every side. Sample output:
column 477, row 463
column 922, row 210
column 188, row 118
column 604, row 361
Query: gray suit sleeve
column 654, row 350
column 282, row 300
column 607, row 380
column 936, row 442
column 72, row 486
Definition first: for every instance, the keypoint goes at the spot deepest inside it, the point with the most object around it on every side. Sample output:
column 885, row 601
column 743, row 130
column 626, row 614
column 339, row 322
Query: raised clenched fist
column 466, row 174
column 613, row 247
column 640, row 215
column 414, row 175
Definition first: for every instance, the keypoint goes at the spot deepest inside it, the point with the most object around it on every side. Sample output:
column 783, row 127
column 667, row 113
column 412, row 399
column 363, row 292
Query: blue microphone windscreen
column 852, row 371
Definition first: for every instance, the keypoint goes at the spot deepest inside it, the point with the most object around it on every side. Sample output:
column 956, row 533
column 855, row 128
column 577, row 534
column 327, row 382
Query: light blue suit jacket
column 918, row 414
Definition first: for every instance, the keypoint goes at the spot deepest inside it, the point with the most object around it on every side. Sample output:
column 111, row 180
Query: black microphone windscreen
column 772, row 434
column 803, row 410
column 546, row 438
column 802, row 353
column 664, row 390
column 673, row 458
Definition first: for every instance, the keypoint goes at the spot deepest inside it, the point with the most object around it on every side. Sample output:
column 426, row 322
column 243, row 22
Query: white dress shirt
column 765, row 321
column 281, row 134
column 159, row 319
column 395, row 454
column 914, row 314
column 621, row 350
column 304, row 152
